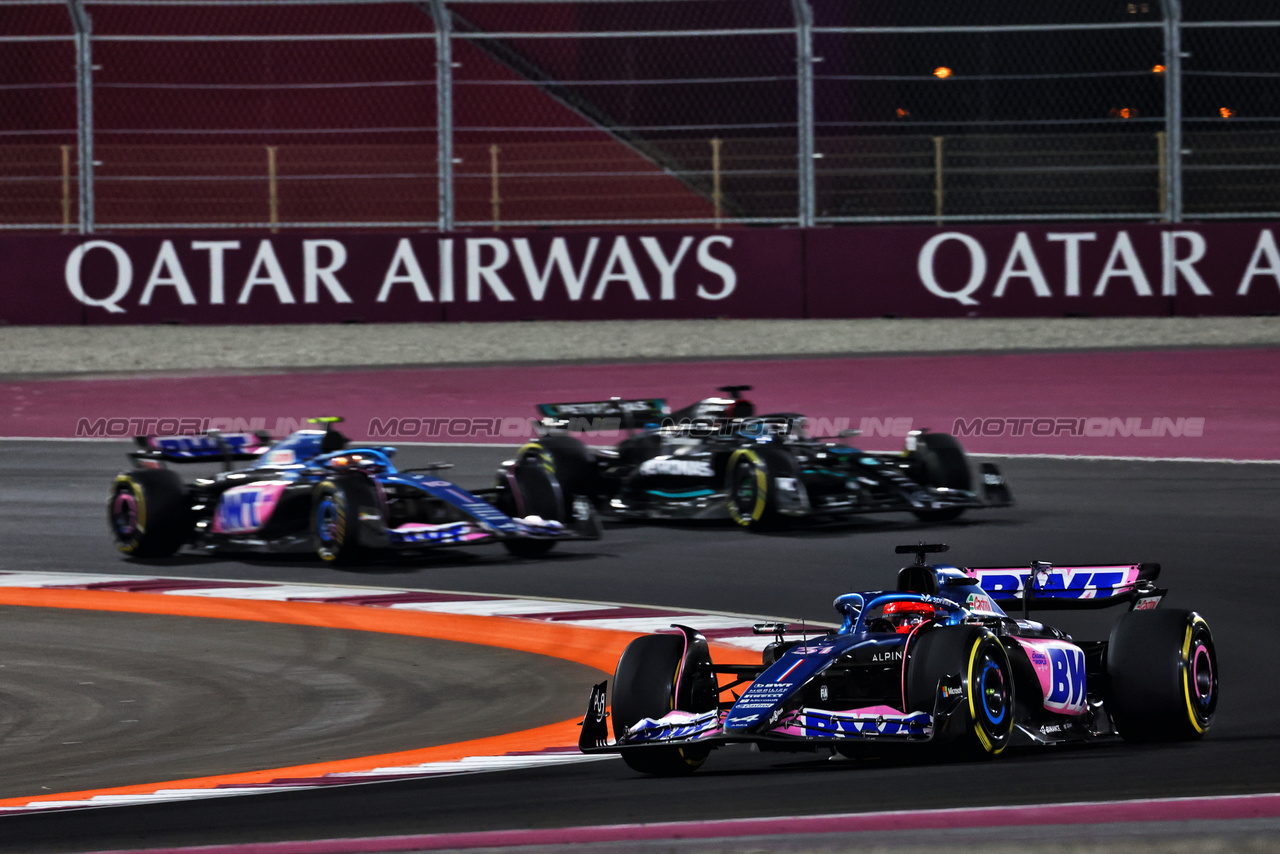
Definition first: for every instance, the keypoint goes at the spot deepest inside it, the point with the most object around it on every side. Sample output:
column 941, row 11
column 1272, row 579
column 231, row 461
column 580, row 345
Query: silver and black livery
column 717, row 459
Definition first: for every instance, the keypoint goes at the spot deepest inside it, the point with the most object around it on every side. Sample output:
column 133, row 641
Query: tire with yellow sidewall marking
column 750, row 484
column 654, row 677
column 570, row 464
column 978, row 657
column 148, row 513
column 1163, row 670
column 335, row 522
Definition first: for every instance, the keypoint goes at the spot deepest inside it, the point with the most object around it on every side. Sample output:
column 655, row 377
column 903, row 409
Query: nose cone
column 773, row 688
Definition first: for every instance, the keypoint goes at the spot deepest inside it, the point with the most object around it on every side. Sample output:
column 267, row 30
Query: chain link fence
column 495, row 113
column 39, row 174
column 1231, row 108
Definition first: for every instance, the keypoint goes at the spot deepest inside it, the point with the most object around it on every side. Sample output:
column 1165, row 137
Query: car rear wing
column 199, row 448
column 1045, row 586
column 612, row 414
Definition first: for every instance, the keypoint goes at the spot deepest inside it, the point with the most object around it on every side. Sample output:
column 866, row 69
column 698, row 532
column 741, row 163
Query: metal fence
column 441, row 114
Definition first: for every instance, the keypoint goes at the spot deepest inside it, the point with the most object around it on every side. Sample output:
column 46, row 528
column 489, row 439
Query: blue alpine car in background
column 313, row 492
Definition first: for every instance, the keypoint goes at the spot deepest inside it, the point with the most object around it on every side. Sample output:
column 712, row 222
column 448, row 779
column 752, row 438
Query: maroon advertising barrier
column 294, row 278
column 1043, row 270
column 907, row 271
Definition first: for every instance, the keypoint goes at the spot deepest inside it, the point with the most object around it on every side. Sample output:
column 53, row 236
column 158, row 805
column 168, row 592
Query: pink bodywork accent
column 1037, row 650
column 259, row 510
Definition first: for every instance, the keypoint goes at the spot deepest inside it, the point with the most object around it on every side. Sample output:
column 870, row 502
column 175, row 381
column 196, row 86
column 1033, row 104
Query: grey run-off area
column 88, row 350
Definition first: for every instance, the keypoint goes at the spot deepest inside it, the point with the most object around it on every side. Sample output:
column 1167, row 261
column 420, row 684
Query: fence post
column 804, row 108
column 494, row 196
column 939, row 188
column 66, row 189
column 84, row 109
column 717, row 196
column 273, row 190
column 1162, row 173
column 1173, row 110
column 444, row 111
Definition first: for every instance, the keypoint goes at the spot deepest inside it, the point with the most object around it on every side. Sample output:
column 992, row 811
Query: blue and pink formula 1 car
column 936, row 662
column 310, row 492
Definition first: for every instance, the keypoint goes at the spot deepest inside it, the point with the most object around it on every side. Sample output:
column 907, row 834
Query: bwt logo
column 1066, row 679
column 1077, row 584
column 247, row 508
column 196, row 446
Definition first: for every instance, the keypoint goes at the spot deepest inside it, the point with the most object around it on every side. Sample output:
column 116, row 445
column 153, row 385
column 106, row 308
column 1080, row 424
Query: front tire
column 149, row 513
column 533, row 490
column 655, row 676
column 1163, row 670
column 941, row 462
column 978, row 657
column 335, row 523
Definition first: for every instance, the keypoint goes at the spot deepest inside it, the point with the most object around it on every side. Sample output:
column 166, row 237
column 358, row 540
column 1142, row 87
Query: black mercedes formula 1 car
column 314, row 492
column 716, row 458
column 936, row 662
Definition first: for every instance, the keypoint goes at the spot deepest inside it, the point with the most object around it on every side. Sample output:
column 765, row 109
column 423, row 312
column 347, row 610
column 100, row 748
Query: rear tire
column 978, row 657
column 1163, row 670
column 572, row 465
column 644, row 686
column 149, row 513
column 941, row 462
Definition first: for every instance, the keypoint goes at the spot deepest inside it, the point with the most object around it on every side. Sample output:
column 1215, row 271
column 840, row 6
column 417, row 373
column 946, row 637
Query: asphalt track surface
column 1211, row 525
column 95, row 700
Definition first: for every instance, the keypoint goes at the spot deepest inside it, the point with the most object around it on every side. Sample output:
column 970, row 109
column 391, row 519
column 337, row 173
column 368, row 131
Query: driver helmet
column 906, row 616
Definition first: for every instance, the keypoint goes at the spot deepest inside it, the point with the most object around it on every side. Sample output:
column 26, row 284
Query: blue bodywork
column 272, row 504
column 851, row 684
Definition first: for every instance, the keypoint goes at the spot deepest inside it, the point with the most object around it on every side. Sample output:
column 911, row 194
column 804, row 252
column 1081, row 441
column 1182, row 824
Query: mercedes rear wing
column 612, row 414
column 1045, row 586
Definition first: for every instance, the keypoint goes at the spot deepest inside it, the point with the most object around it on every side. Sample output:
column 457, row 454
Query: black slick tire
column 148, row 513
column 752, row 491
column 1162, row 667
column 645, row 685
column 534, row 490
column 977, row 656
column 335, row 524
column 941, row 462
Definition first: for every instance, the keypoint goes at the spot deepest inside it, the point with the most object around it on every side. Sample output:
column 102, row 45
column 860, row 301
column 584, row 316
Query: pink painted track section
column 1038, row 815
column 1204, row 404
